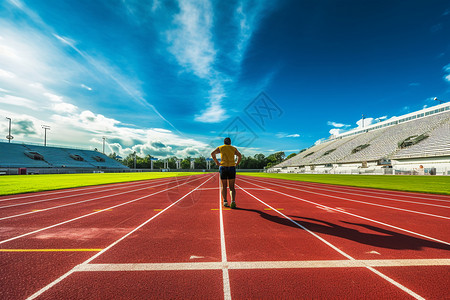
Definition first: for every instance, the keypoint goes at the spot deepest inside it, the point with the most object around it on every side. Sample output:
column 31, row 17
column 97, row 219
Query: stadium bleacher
column 365, row 148
column 39, row 157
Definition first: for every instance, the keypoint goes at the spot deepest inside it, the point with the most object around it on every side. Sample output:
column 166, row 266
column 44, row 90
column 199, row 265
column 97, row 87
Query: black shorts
column 227, row 172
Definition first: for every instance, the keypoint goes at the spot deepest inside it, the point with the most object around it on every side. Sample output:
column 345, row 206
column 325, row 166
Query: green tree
column 291, row 155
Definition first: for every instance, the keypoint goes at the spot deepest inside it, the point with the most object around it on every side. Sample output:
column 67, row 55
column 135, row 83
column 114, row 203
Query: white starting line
column 253, row 265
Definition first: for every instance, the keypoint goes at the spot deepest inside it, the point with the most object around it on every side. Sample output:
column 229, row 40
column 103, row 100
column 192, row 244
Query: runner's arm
column 213, row 155
column 238, row 154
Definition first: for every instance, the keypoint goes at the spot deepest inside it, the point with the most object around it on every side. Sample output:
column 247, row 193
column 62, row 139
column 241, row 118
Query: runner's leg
column 224, row 189
column 232, row 189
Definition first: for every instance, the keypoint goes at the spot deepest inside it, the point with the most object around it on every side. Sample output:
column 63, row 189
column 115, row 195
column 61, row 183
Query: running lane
column 31, row 262
column 362, row 239
column 273, row 251
column 436, row 226
column 187, row 232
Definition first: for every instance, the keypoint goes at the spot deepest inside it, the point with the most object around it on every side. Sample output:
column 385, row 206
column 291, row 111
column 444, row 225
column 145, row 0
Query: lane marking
column 225, row 274
column 359, row 201
column 252, row 265
column 90, row 214
column 274, row 209
column 358, row 216
column 50, row 285
column 102, row 210
column 50, row 250
column 220, row 209
column 72, row 203
column 157, row 209
column 400, row 286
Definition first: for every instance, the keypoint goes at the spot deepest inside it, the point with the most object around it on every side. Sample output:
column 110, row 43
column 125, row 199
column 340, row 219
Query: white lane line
column 431, row 197
column 358, row 216
column 356, row 194
column 225, row 274
column 71, row 190
column 254, row 265
column 90, row 214
column 78, row 202
column 214, row 188
column 50, row 285
column 400, row 286
column 82, row 194
column 358, row 201
column 362, row 189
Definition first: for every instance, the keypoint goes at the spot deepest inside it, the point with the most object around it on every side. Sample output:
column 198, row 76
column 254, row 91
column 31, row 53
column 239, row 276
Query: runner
column 227, row 169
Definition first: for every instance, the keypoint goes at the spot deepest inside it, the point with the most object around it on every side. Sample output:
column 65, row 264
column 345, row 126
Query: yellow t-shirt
column 227, row 155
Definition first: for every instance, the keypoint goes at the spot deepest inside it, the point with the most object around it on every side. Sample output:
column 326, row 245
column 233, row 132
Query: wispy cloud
column 447, row 70
column 338, row 125
column 86, row 87
column 191, row 38
column 281, row 135
column 192, row 43
column 19, row 101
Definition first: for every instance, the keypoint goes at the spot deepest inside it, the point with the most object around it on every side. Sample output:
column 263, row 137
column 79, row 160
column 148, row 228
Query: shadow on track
column 382, row 238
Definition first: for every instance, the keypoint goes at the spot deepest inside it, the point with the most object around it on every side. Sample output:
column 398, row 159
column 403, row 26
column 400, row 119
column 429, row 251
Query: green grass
column 424, row 184
column 17, row 184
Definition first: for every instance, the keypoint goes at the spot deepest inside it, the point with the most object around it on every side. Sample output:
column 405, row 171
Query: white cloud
column 447, row 70
column 64, row 108
column 19, row 101
column 335, row 131
column 191, row 39
column 7, row 74
column 53, row 97
column 191, row 43
column 86, row 87
column 447, row 78
column 379, row 119
column 364, row 122
column 281, row 135
column 339, row 125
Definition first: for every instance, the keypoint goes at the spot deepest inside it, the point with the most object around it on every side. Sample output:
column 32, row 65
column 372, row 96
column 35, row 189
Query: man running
column 227, row 169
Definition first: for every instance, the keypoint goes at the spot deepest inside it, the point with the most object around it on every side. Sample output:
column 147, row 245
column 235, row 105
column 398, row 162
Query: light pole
column 436, row 99
column 46, row 127
column 104, row 138
column 135, row 160
column 9, row 137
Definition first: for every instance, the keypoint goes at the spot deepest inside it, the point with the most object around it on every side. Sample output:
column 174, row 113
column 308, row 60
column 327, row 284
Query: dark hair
column 227, row 141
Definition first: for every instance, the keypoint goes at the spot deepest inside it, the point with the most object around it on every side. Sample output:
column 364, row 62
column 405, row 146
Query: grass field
column 424, row 184
column 35, row 183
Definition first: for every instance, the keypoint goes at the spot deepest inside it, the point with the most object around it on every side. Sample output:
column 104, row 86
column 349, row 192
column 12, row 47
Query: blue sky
column 173, row 77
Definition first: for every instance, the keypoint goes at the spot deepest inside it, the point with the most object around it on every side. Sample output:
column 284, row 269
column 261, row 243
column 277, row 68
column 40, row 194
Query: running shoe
column 233, row 204
column 225, row 203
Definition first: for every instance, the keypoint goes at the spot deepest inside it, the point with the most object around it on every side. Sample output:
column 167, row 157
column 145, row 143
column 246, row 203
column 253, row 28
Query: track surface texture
column 171, row 238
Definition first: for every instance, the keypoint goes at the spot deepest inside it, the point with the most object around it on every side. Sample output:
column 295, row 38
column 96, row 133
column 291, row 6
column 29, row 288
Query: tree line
column 257, row 161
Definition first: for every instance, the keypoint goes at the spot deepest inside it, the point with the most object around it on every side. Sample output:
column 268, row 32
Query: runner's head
column 227, row 141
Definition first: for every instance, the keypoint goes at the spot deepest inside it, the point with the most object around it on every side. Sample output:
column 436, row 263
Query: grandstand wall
column 45, row 160
column 415, row 143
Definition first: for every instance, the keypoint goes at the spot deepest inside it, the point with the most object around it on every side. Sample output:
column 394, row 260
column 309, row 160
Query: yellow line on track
column 157, row 209
column 102, row 209
column 275, row 208
column 50, row 250
column 222, row 209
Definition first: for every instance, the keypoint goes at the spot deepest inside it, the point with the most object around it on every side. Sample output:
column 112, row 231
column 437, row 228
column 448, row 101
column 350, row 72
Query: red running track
column 172, row 239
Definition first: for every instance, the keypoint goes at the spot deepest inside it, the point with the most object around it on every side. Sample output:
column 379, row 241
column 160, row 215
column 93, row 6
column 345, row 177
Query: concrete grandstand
column 26, row 159
column 415, row 143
